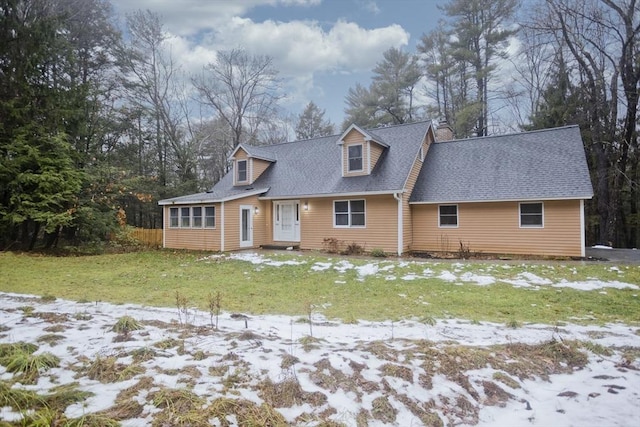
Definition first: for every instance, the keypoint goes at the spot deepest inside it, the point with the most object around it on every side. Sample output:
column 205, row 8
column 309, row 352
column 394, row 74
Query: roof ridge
column 510, row 134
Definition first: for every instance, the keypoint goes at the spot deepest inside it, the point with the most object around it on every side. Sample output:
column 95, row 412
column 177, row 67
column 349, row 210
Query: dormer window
column 355, row 158
column 241, row 166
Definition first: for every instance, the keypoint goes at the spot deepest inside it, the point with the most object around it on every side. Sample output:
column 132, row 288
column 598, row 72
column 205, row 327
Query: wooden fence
column 149, row 236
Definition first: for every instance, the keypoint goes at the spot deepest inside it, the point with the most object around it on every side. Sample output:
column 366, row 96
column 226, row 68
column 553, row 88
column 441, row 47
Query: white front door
column 286, row 224
column 246, row 226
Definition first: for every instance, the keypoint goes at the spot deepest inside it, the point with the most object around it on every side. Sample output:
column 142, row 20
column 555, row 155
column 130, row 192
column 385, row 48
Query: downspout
column 582, row 230
column 398, row 197
column 221, row 226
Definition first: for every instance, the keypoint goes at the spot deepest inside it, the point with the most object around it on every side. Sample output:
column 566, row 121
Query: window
column 185, row 218
column 173, row 217
column 349, row 213
column 196, row 218
column 209, row 216
column 242, row 171
column 448, row 216
column 355, row 158
column 531, row 215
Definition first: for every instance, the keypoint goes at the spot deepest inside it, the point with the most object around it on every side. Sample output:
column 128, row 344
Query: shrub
column 354, row 248
column 331, row 245
column 378, row 253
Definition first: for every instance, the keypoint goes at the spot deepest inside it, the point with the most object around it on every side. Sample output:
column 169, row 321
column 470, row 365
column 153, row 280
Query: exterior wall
column 495, row 228
column 407, row 217
column 232, row 223
column 205, row 239
column 258, row 166
column 354, row 138
column 380, row 231
column 376, row 152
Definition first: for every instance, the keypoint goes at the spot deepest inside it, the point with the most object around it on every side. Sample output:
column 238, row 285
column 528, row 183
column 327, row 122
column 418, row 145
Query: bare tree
column 243, row 90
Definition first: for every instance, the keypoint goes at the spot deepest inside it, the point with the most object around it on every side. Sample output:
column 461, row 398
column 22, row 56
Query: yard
column 176, row 338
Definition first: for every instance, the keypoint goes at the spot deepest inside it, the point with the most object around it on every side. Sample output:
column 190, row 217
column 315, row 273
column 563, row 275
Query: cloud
column 304, row 46
column 370, row 6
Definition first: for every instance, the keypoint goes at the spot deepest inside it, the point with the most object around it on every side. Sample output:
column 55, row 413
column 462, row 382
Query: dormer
column 360, row 151
column 248, row 164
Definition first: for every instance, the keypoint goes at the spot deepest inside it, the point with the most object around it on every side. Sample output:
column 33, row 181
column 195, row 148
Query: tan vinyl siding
column 232, row 223
column 204, row 239
column 380, row 231
column 495, row 228
column 407, row 217
column 240, row 155
column 376, row 152
column 258, row 166
column 354, row 138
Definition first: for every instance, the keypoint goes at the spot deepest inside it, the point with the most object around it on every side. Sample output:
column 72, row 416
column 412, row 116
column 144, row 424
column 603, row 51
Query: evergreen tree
column 311, row 123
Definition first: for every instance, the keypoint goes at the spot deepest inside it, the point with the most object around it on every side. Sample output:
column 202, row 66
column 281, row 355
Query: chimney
column 444, row 132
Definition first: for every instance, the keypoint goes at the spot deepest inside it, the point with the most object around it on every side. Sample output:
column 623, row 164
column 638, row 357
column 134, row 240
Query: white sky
column 321, row 47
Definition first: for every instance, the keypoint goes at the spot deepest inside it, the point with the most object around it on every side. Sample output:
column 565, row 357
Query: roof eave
column 170, row 202
column 536, row 199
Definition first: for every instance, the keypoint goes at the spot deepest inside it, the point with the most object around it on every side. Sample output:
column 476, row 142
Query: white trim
column 209, row 201
column 314, row 196
column 349, row 213
column 582, row 230
column 164, row 229
column 457, row 216
column 236, row 172
column 368, row 158
column 342, row 168
column 362, row 168
column 453, row 202
column 276, row 206
column 520, row 214
column 398, row 197
column 221, row 226
column 246, row 243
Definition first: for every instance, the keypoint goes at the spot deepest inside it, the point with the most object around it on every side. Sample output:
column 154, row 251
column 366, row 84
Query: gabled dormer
column 248, row 164
column 360, row 151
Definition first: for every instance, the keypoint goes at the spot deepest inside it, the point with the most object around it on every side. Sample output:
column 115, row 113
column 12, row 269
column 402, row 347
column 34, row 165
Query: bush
column 353, row 249
column 378, row 253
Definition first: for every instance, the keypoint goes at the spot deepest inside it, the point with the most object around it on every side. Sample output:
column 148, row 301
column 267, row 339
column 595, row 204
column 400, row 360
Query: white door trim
column 246, row 240
column 294, row 234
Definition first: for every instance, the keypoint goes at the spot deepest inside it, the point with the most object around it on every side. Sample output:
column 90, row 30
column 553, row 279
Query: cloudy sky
column 321, row 47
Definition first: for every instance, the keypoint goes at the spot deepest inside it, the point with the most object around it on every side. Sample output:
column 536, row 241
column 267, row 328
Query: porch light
column 306, row 206
column 256, row 211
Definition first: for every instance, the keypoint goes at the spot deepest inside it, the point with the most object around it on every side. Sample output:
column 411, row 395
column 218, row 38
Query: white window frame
column 205, row 217
column 440, row 215
column 349, row 213
column 176, row 217
column 246, row 170
column 194, row 216
column 361, row 158
column 541, row 225
column 183, row 217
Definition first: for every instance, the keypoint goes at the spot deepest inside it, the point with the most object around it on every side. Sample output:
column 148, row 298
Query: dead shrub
column 331, row 245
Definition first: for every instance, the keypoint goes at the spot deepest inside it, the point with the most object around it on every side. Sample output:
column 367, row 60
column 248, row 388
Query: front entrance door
column 286, row 224
column 246, row 226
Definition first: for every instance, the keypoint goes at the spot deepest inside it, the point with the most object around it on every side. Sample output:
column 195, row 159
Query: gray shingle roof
column 544, row 164
column 314, row 167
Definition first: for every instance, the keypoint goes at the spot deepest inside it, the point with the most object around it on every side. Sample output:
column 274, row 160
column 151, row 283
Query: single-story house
column 397, row 189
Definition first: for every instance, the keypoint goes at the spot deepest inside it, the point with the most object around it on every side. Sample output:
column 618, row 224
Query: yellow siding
column 240, row 155
column 380, row 231
column 232, row 223
column 354, row 138
column 205, row 239
column 495, row 228
column 376, row 152
column 258, row 166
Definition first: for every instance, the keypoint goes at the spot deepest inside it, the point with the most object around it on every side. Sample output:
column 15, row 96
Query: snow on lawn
column 401, row 373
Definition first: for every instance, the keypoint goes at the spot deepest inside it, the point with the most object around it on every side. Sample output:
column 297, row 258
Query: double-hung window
column 185, row 217
column 355, row 158
column 173, row 218
column 448, row 215
column 196, row 218
column 242, row 171
column 349, row 213
column 531, row 215
column 209, row 216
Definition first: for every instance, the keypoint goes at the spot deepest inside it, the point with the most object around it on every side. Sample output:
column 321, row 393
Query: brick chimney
column 444, row 132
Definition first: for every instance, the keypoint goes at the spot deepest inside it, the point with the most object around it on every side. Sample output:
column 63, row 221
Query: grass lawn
column 395, row 289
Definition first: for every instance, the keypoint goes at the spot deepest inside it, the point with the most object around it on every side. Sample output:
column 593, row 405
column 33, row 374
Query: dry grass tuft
column 288, row 393
column 398, row 371
column 247, row 413
column 382, row 410
column 108, row 370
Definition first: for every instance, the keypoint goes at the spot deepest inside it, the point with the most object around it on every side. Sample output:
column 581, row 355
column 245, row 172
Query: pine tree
column 311, row 123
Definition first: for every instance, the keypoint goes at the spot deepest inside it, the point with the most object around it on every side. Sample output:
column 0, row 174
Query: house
column 397, row 188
